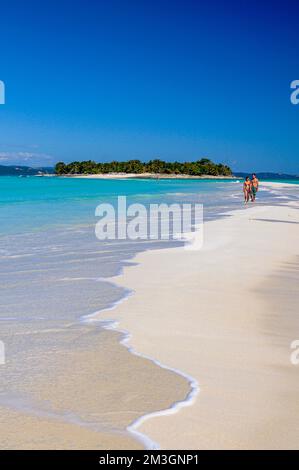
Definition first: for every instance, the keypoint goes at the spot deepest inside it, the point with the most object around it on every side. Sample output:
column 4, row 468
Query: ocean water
column 54, row 271
column 48, row 242
column 35, row 203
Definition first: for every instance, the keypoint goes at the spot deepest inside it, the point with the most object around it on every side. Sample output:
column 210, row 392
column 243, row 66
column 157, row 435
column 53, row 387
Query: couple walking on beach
column 250, row 188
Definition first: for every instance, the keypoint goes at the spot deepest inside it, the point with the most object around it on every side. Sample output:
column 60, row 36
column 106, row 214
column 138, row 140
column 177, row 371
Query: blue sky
column 124, row 79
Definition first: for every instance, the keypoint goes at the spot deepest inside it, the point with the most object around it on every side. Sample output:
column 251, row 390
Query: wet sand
column 76, row 387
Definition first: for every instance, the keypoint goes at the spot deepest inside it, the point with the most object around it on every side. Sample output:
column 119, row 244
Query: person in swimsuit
column 247, row 186
column 254, row 187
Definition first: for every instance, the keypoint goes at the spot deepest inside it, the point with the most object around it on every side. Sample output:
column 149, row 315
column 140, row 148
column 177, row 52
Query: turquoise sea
column 49, row 223
column 35, row 203
column 47, row 231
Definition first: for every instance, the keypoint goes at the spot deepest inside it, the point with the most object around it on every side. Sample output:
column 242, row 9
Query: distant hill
column 268, row 175
column 23, row 170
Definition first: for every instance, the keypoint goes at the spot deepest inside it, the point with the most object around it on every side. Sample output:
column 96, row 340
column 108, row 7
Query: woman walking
column 247, row 189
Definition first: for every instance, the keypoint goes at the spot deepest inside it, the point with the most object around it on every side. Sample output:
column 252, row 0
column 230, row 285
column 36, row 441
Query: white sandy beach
column 224, row 315
column 116, row 176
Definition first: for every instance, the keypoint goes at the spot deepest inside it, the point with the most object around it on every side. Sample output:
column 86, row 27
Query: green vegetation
column 198, row 168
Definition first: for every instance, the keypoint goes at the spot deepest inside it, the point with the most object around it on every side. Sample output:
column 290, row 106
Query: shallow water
column 52, row 264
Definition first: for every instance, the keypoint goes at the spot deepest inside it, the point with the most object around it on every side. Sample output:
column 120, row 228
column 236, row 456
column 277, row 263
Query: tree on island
column 203, row 167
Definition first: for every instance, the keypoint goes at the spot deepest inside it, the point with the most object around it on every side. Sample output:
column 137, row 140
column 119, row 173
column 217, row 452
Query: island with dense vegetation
column 199, row 168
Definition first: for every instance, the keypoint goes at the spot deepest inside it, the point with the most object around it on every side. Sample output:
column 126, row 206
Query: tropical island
column 202, row 168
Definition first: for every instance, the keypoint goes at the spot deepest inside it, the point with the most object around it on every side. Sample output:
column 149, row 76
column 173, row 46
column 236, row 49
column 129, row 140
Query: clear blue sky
column 120, row 79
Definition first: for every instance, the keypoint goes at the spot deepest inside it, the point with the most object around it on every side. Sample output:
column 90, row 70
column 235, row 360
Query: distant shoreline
column 146, row 175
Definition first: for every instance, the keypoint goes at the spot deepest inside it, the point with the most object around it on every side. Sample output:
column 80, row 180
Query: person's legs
column 253, row 194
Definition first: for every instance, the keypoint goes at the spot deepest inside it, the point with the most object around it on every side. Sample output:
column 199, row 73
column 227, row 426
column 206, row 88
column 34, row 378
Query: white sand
column 145, row 175
column 207, row 314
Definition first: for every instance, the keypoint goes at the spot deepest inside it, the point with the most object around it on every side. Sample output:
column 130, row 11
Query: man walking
column 254, row 187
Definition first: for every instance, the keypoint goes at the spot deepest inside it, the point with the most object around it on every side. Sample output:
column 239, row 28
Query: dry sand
column 224, row 315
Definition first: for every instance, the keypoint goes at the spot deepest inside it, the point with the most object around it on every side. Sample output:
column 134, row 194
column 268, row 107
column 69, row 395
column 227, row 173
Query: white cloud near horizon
column 26, row 158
